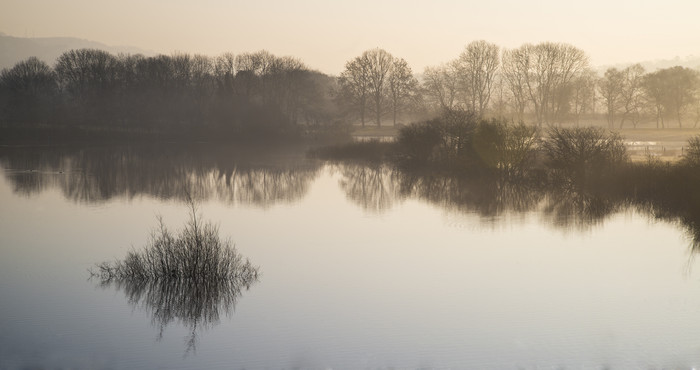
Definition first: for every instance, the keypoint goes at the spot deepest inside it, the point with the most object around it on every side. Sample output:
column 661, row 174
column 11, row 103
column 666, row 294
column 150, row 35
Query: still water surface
column 356, row 271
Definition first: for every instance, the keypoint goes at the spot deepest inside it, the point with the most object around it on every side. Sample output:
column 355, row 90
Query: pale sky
column 325, row 34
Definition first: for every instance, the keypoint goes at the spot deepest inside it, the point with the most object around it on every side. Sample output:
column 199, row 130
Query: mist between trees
column 541, row 84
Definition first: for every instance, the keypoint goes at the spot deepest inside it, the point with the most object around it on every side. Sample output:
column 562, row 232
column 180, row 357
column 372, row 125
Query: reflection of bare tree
column 196, row 304
column 373, row 188
column 487, row 195
column 254, row 176
column 378, row 187
column 570, row 207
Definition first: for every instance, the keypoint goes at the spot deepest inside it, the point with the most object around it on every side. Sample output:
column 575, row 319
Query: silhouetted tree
column 545, row 72
column 402, row 85
column 354, row 84
column 380, row 62
column 440, row 85
column 610, row 88
column 631, row 94
column 515, row 72
column 583, row 95
column 29, row 89
column 477, row 66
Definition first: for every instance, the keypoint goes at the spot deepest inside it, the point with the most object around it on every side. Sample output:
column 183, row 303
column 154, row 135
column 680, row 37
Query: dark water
column 361, row 267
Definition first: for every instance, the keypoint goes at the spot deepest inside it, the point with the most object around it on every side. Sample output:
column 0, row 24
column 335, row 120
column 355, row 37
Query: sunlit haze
column 325, row 34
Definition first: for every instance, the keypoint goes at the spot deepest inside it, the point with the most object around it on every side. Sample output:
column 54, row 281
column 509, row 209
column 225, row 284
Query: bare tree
column 440, row 84
column 671, row 91
column 610, row 88
column 583, row 94
column 631, row 94
column 225, row 72
column 515, row 70
column 380, row 62
column 477, row 66
column 26, row 91
column 402, row 85
column 681, row 86
column 354, row 84
column 546, row 71
column 654, row 94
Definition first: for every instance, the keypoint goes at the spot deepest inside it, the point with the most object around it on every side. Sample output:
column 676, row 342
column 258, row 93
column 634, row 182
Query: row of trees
column 631, row 94
column 377, row 82
column 546, row 83
column 94, row 87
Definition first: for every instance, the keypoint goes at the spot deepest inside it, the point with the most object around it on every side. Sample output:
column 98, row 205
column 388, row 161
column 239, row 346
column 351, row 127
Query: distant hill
column 14, row 49
column 653, row 65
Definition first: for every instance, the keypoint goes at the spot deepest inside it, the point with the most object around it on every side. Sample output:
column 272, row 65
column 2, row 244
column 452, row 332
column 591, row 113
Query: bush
column 190, row 277
column 417, row 142
column 195, row 253
column 576, row 151
column 508, row 148
column 446, row 140
column 692, row 154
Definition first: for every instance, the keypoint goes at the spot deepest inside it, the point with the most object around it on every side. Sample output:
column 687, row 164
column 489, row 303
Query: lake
column 360, row 267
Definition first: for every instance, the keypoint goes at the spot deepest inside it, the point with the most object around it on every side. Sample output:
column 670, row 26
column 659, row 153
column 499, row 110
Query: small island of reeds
column 195, row 252
column 190, row 276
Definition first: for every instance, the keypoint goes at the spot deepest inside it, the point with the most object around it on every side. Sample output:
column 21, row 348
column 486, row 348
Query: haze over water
column 354, row 274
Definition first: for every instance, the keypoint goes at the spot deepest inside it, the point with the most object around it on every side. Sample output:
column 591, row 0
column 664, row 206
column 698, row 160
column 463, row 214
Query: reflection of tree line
column 562, row 204
column 100, row 174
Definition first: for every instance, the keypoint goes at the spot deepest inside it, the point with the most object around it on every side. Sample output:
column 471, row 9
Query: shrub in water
column 577, row 150
column 196, row 252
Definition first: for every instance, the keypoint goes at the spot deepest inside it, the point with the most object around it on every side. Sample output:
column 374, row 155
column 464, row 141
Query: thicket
column 194, row 253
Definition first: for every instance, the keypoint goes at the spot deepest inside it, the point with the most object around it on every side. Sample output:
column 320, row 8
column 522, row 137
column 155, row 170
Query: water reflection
column 377, row 188
column 195, row 304
column 258, row 176
column 564, row 205
column 373, row 187
column 270, row 175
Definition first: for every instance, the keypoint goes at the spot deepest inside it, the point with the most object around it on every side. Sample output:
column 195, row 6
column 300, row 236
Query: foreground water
column 356, row 272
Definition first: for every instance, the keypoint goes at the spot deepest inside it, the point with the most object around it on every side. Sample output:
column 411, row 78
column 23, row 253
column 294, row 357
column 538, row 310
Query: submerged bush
column 190, row 277
column 578, row 150
column 446, row 140
column 417, row 142
column 463, row 140
column 503, row 146
column 195, row 252
column 692, row 155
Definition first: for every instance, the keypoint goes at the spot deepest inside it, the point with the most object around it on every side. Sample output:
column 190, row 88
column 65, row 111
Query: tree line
column 249, row 91
column 545, row 84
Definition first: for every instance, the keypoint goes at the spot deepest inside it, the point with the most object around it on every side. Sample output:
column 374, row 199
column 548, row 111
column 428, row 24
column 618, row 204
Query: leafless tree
column 610, row 88
column 583, row 95
column 402, row 85
column 631, row 94
column 380, row 62
column 440, row 84
column 671, row 91
column 477, row 66
column 354, row 84
column 515, row 70
column 546, row 71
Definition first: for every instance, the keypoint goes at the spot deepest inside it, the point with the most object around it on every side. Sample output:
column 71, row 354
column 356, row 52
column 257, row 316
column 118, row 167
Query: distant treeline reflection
column 264, row 177
column 573, row 177
column 261, row 176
